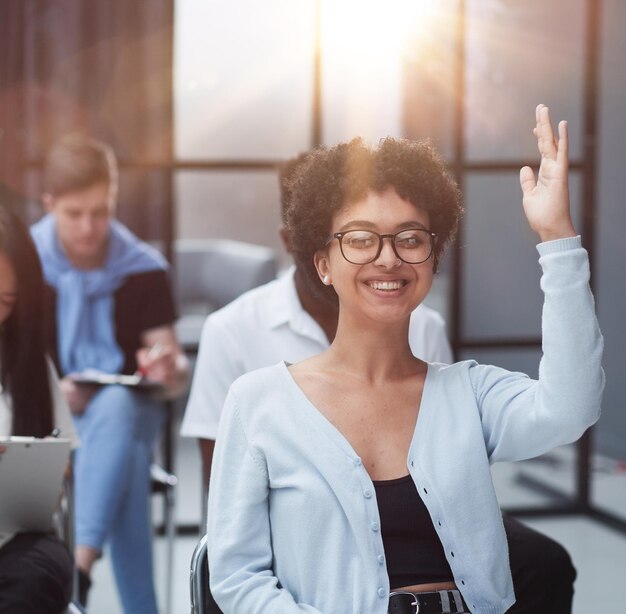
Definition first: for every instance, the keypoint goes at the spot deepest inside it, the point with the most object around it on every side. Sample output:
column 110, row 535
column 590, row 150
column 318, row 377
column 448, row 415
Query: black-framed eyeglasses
column 413, row 245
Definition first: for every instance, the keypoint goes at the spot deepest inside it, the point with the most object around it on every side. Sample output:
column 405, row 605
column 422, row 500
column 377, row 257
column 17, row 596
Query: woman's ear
column 321, row 262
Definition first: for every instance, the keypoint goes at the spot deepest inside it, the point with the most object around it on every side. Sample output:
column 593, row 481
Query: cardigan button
column 375, row 526
column 367, row 494
column 381, row 559
column 357, row 462
column 382, row 592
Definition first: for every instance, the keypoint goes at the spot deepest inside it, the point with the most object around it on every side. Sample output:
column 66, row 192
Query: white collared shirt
column 267, row 325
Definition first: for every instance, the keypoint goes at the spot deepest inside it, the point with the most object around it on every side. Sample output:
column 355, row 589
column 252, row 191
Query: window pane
column 243, row 75
column 229, row 204
column 610, row 255
column 518, row 55
column 501, row 296
column 365, row 46
column 430, row 74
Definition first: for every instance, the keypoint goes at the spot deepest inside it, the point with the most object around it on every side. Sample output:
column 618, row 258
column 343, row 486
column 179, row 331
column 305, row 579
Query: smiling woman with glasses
column 359, row 480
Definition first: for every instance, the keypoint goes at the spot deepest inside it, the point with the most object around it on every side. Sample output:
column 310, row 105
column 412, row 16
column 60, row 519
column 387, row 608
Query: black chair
column 161, row 482
column 202, row 601
column 164, row 483
column 64, row 526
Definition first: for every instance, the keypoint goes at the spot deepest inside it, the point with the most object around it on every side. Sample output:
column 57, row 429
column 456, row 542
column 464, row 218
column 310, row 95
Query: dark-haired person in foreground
column 114, row 312
column 359, row 480
column 289, row 319
column 35, row 568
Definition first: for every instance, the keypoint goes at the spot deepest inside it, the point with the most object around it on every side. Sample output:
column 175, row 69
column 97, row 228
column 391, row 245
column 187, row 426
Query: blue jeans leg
column 112, row 487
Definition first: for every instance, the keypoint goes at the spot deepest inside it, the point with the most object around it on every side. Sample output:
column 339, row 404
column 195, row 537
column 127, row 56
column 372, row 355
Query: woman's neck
column 373, row 352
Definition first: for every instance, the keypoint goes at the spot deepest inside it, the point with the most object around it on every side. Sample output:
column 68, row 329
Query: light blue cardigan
column 293, row 523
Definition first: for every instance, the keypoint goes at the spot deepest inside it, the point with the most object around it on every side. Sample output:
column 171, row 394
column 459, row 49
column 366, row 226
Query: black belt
column 437, row 602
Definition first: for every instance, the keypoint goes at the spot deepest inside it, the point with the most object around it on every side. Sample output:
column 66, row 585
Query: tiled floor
column 599, row 553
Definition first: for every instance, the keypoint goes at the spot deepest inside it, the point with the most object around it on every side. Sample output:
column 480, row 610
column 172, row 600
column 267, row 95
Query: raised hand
column 546, row 199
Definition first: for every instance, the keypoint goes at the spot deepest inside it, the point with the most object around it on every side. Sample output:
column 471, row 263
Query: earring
column 326, row 280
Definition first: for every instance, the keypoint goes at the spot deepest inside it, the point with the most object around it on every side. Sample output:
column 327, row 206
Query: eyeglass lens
column 362, row 246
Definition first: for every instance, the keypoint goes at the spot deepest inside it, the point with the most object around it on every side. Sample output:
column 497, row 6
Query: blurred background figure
column 35, row 568
column 114, row 312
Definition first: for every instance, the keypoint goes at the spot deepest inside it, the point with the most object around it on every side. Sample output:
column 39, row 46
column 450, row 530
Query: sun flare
column 373, row 32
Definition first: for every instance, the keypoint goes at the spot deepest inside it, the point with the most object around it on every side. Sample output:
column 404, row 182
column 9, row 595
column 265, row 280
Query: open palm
column 546, row 198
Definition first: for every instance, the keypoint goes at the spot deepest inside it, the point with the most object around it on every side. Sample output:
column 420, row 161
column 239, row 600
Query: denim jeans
column 112, row 487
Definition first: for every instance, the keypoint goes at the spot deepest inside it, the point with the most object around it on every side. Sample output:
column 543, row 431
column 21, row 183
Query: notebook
column 31, row 478
column 93, row 377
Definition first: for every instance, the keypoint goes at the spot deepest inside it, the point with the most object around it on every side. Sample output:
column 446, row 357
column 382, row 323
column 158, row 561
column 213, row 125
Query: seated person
column 361, row 450
column 289, row 319
column 35, row 568
column 114, row 313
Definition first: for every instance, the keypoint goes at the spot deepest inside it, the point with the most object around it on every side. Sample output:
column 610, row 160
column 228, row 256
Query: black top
column 142, row 302
column 413, row 551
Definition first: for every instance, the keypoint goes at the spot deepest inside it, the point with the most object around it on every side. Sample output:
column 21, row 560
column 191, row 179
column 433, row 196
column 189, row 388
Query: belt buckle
column 414, row 603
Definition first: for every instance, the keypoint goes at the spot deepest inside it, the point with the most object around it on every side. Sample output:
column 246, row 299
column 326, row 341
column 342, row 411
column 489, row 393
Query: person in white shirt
column 288, row 320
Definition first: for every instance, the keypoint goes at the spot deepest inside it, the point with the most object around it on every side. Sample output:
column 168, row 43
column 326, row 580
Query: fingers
column 543, row 131
column 563, row 145
column 157, row 365
column 527, row 179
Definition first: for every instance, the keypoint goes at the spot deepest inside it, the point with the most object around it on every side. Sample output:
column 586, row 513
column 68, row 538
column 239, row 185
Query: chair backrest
column 64, row 526
column 217, row 271
column 202, row 601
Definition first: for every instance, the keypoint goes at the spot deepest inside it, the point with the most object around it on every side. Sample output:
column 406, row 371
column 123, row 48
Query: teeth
column 386, row 285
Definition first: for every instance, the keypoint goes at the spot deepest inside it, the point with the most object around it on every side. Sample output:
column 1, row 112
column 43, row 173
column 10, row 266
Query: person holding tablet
column 35, row 568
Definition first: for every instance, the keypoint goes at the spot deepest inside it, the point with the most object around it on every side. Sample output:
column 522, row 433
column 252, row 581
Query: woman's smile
column 386, row 286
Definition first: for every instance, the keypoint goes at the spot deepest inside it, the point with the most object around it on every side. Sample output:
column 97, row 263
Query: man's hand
column 158, row 364
column 77, row 395
column 162, row 360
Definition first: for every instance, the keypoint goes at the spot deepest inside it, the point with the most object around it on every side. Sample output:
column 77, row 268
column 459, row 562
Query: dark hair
column 346, row 173
column 286, row 173
column 77, row 162
column 23, row 363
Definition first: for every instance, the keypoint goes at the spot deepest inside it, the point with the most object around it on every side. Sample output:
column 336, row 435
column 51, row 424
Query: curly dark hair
column 286, row 172
column 330, row 178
